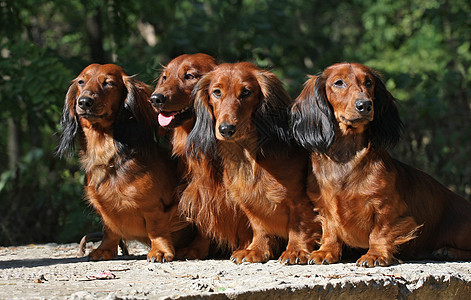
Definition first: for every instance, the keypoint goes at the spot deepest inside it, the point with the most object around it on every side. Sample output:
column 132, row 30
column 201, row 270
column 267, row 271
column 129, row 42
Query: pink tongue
column 164, row 121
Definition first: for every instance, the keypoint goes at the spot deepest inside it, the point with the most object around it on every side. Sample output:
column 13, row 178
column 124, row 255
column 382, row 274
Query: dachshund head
column 105, row 99
column 172, row 95
column 345, row 99
column 239, row 102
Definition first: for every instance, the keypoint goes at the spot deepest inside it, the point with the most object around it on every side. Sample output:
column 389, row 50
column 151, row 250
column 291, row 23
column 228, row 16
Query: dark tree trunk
column 13, row 144
column 95, row 38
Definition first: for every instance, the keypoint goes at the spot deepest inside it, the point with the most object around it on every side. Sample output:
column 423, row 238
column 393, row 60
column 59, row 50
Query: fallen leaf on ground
column 103, row 275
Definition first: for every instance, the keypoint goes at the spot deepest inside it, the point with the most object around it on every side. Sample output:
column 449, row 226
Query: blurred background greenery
column 422, row 48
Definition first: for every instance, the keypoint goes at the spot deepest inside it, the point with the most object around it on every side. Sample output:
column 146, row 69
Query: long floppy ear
column 136, row 123
column 137, row 101
column 272, row 116
column 386, row 127
column 202, row 139
column 312, row 117
column 69, row 124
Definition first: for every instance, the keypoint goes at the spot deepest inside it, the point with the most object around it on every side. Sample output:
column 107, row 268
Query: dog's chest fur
column 248, row 182
column 105, row 190
column 342, row 201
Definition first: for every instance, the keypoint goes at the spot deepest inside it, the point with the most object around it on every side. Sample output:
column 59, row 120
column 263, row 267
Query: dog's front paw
column 292, row 257
column 372, row 260
column 159, row 256
column 321, row 257
column 252, row 256
column 102, row 254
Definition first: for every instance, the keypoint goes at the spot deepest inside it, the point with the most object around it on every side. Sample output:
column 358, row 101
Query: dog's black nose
column 85, row 102
column 158, row 99
column 227, row 130
column 364, row 107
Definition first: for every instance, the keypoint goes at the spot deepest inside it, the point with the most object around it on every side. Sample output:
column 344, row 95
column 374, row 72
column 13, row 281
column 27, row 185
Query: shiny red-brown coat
column 130, row 181
column 348, row 119
column 241, row 126
column 215, row 216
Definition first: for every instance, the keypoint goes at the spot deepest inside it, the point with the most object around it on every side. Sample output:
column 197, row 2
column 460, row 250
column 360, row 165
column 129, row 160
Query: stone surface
column 54, row 271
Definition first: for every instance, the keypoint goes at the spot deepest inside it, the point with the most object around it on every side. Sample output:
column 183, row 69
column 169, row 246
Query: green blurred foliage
column 422, row 48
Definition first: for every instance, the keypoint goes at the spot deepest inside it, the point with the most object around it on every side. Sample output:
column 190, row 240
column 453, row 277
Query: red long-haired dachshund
column 348, row 119
column 130, row 181
column 172, row 99
column 242, row 126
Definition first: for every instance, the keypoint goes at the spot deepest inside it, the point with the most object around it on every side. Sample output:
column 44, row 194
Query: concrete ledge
column 54, row 272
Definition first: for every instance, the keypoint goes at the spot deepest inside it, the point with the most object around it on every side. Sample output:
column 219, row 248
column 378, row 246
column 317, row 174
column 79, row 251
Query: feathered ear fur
column 272, row 116
column 137, row 101
column 69, row 124
column 202, row 139
column 387, row 127
column 136, row 123
column 312, row 117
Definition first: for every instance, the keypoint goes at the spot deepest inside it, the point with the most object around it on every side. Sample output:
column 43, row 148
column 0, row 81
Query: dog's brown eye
column 189, row 76
column 245, row 93
column 164, row 77
column 339, row 83
column 217, row 93
column 368, row 82
column 107, row 83
column 81, row 82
